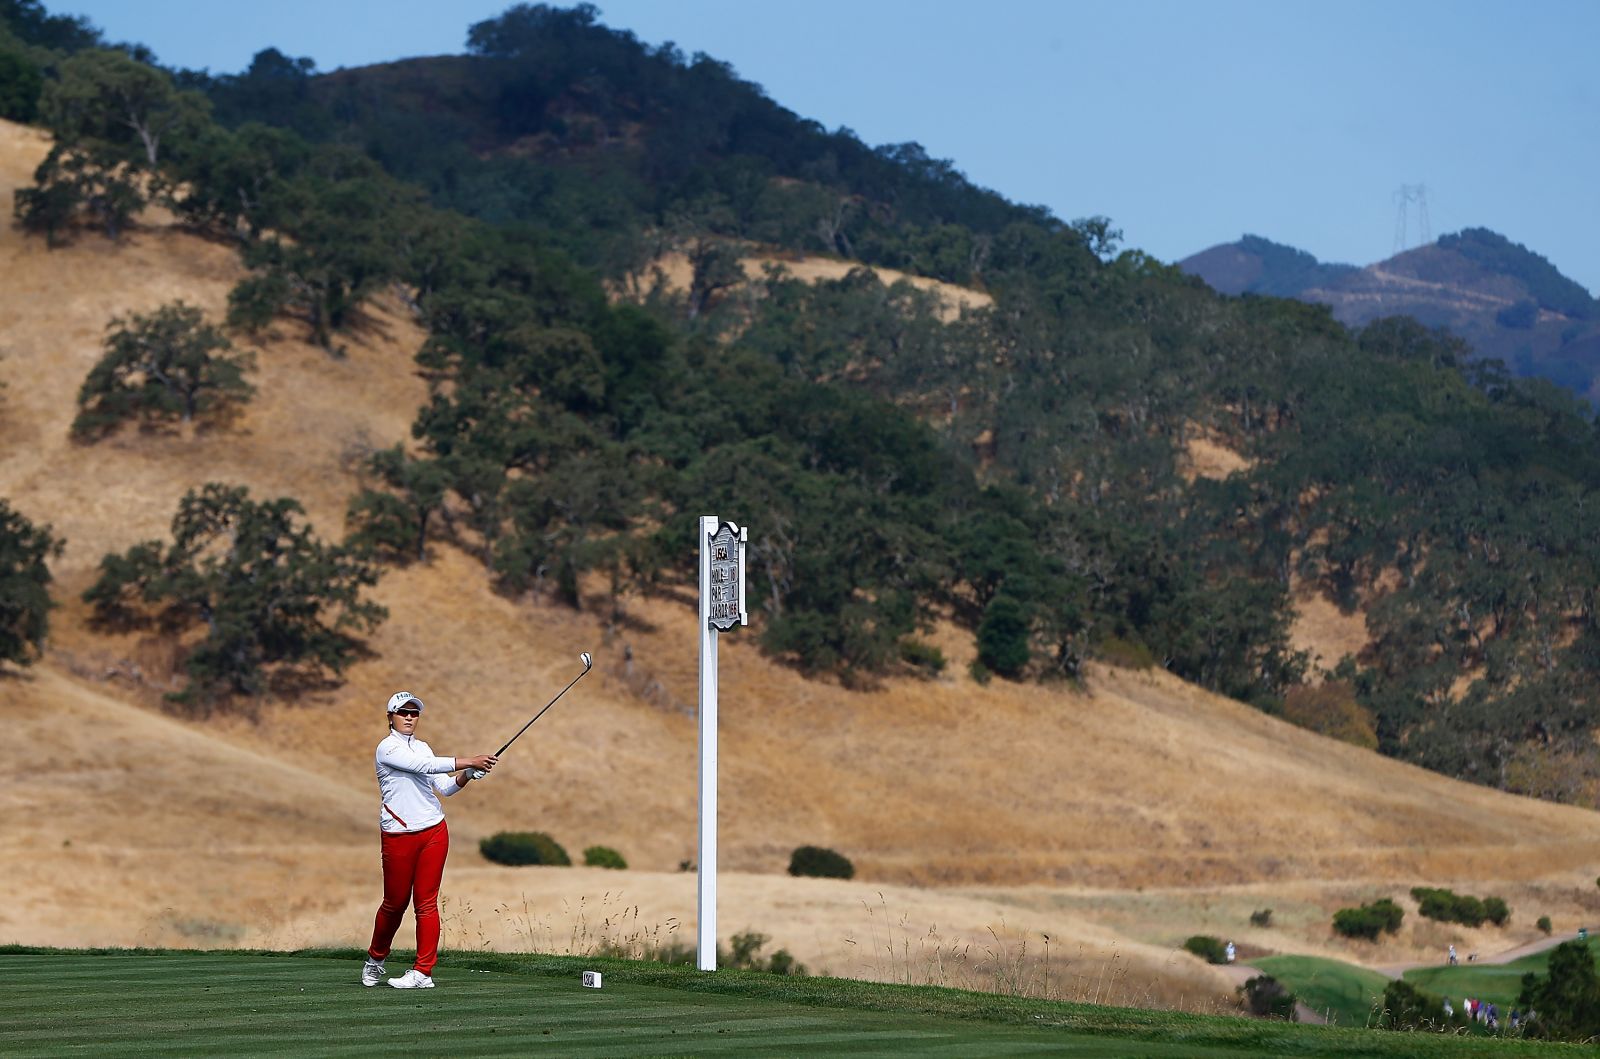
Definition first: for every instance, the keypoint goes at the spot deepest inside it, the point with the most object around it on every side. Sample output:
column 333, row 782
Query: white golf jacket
column 410, row 780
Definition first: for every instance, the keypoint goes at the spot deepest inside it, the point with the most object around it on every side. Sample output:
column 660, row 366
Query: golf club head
column 587, row 661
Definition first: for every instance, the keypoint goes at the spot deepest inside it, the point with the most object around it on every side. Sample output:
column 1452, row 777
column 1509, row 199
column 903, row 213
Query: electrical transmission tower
column 1404, row 197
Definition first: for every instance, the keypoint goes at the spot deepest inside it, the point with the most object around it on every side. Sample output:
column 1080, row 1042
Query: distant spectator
column 1229, row 951
column 1449, row 1012
column 1452, row 956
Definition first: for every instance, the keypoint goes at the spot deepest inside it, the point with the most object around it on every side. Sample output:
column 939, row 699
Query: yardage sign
column 725, row 607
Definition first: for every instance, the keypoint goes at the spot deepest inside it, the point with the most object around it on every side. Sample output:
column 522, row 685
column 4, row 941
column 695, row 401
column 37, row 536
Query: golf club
column 588, row 664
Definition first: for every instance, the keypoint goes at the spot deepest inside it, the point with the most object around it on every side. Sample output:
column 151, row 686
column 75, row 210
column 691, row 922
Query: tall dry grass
column 1014, row 961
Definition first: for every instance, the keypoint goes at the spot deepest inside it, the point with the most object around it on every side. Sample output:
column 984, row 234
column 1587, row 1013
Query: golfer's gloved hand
column 479, row 766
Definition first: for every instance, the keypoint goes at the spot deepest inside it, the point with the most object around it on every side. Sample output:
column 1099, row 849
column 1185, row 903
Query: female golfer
column 415, row 838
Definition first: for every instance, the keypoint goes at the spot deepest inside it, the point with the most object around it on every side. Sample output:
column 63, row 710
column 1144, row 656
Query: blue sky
column 1188, row 124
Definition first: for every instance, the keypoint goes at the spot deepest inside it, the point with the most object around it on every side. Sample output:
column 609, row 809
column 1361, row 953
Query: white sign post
column 721, row 608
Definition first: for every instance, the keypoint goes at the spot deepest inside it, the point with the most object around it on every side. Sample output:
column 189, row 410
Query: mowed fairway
column 236, row 1003
column 226, row 1003
column 1342, row 993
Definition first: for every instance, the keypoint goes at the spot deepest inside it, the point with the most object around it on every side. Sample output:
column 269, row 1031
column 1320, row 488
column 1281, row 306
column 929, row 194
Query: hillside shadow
column 297, row 687
column 362, row 329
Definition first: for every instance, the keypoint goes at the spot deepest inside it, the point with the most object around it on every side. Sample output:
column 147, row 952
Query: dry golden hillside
column 1119, row 818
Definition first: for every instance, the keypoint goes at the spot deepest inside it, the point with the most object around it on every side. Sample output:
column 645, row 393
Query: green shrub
column 1368, row 921
column 1544, row 924
column 1003, row 636
column 783, row 962
column 744, row 953
column 1448, row 906
column 1124, row 653
column 926, row 659
column 1261, row 917
column 1268, row 998
column 821, row 863
column 1435, row 904
column 1331, row 709
column 1357, row 923
column 1207, row 948
column 603, row 857
column 524, row 847
column 1405, row 1007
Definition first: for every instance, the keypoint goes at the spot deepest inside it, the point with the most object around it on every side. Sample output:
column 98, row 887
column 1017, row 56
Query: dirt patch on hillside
column 1209, row 457
column 1326, row 633
column 673, row 272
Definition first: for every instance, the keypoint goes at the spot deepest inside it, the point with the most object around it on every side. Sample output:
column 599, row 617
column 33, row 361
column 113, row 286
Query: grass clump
column 519, row 848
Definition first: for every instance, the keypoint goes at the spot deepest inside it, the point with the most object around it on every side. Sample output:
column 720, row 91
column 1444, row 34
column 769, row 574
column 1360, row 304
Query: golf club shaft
column 540, row 714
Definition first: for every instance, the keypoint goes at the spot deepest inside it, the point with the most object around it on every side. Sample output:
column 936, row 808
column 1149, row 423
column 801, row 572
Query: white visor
column 404, row 698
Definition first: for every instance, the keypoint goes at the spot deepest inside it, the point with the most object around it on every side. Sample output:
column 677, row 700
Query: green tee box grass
column 153, row 1003
column 1345, row 994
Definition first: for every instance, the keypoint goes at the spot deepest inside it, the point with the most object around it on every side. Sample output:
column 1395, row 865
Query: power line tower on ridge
column 1404, row 197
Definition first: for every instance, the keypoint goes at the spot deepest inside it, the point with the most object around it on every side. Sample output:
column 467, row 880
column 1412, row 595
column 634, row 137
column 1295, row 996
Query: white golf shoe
column 371, row 972
column 412, row 979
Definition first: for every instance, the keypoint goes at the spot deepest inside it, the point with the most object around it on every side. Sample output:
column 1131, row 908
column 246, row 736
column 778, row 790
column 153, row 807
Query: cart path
column 1395, row 970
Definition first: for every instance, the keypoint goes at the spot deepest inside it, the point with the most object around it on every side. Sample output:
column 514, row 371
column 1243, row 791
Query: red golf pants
column 413, row 866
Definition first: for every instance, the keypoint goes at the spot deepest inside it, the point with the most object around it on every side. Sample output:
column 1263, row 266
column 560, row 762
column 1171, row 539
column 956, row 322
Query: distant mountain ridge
column 1507, row 302
column 1254, row 265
